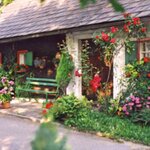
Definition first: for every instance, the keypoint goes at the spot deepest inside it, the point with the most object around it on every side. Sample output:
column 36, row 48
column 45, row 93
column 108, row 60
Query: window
column 141, row 49
column 145, row 51
column 24, row 57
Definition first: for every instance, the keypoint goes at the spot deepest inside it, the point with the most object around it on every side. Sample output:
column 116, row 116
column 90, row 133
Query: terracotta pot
column 6, row 105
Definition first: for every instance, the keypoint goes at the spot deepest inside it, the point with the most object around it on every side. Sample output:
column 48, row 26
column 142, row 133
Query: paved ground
column 17, row 133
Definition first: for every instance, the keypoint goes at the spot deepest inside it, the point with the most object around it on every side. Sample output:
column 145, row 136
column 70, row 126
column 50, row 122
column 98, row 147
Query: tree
column 115, row 4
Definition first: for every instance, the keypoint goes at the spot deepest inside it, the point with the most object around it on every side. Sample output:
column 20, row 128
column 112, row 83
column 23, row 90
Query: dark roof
column 25, row 17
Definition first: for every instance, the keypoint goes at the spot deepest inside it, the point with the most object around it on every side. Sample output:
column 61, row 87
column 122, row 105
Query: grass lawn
column 113, row 127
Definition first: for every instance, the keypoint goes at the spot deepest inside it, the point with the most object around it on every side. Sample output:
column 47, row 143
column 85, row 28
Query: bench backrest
column 42, row 82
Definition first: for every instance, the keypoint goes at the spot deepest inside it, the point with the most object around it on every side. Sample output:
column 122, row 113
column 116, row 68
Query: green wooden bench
column 42, row 82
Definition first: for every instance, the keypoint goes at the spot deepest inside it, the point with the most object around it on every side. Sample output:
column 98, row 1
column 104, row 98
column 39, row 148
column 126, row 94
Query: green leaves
column 117, row 6
column 84, row 3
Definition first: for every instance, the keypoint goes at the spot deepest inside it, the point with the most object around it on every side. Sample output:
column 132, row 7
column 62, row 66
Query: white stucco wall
column 75, row 86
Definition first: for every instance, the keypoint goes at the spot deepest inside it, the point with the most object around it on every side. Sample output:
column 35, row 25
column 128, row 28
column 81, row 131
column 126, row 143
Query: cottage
column 30, row 32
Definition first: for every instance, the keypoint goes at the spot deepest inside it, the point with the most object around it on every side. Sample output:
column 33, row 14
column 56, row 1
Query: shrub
column 68, row 106
column 142, row 117
column 47, row 138
column 136, row 95
column 65, row 68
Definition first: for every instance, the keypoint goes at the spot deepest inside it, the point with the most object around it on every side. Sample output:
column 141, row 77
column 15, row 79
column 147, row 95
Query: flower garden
column 126, row 117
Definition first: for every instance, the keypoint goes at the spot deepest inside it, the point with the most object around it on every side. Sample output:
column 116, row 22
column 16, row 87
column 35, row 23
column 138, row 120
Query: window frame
column 20, row 52
column 140, row 44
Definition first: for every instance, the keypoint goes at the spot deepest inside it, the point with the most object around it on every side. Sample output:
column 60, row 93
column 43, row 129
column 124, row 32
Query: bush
column 47, row 138
column 68, row 106
column 142, row 117
column 65, row 68
column 136, row 95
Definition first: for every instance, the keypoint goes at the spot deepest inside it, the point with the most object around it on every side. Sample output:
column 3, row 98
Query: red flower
column 113, row 40
column 148, row 75
column 49, row 105
column 77, row 73
column 114, row 29
column 126, row 29
column 95, row 83
column 146, row 59
column 128, row 23
column 143, row 29
column 105, row 37
column 44, row 112
column 136, row 21
column 97, row 37
column 126, row 15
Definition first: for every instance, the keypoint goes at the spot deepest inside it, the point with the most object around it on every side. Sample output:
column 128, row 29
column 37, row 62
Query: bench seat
column 43, row 82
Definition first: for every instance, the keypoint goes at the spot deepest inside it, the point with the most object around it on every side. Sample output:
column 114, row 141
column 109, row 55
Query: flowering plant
column 21, row 67
column 6, row 91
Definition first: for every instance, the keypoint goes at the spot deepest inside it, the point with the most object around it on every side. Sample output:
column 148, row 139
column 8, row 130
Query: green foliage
column 113, row 127
column 47, row 138
column 6, row 2
column 83, row 3
column 136, row 82
column 65, row 68
column 68, row 106
column 86, row 65
column 117, row 6
column 142, row 117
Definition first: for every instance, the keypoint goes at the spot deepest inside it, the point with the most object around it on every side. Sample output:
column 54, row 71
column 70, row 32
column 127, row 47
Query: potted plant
column 21, row 68
column 6, row 91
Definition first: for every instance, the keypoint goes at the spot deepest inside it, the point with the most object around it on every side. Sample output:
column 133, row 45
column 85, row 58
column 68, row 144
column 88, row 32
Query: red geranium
column 148, row 75
column 105, row 37
column 114, row 29
column 126, row 15
column 146, row 59
column 136, row 21
column 97, row 37
column 95, row 83
column 44, row 112
column 78, row 73
column 126, row 29
column 143, row 29
column 49, row 105
column 113, row 40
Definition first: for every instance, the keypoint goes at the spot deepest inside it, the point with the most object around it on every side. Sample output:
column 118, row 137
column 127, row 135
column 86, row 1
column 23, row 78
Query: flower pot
column 6, row 105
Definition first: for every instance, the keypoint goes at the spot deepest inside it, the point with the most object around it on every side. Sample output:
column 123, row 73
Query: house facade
column 30, row 30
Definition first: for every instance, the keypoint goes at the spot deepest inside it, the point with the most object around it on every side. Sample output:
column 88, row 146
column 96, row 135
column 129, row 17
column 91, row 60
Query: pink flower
column 139, row 105
column 127, row 113
column 11, row 82
column 148, row 98
column 148, row 103
column 3, row 91
column 124, row 108
column 137, row 100
column 130, row 104
column 3, row 80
